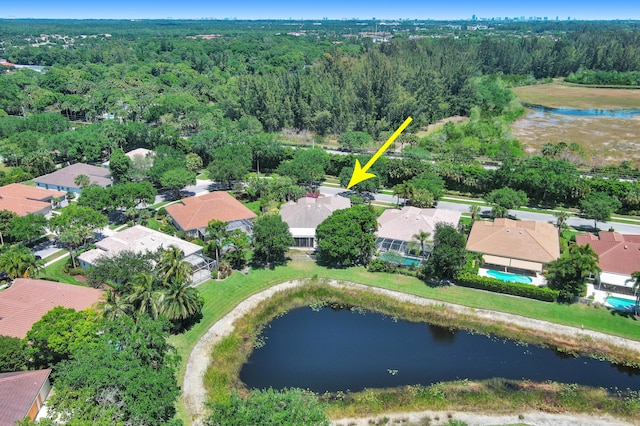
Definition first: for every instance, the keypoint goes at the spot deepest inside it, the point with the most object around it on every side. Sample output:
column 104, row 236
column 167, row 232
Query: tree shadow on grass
column 624, row 314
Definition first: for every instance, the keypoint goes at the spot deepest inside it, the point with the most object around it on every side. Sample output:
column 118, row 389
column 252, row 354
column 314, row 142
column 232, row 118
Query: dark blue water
column 592, row 112
column 331, row 350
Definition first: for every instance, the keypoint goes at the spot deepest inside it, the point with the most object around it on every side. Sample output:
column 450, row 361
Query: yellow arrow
column 359, row 172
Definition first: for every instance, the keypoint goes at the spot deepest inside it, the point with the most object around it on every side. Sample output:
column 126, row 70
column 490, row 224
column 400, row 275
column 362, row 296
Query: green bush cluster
column 515, row 289
column 379, row 265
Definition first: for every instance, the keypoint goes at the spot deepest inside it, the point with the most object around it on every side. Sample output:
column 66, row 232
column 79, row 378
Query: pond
column 591, row 112
column 339, row 350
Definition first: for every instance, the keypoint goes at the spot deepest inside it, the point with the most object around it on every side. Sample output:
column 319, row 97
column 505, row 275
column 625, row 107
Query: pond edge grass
column 230, row 354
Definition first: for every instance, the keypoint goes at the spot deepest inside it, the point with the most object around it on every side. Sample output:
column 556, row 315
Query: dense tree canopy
column 347, row 237
column 271, row 239
column 449, row 252
column 126, row 375
column 598, row 206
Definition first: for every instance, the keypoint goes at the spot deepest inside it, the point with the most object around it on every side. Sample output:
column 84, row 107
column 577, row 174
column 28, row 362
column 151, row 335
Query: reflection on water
column 442, row 334
column 591, row 112
column 332, row 350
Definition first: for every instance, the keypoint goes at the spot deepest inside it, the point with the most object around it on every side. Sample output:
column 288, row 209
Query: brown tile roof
column 619, row 253
column 65, row 177
column 25, row 199
column 196, row 212
column 27, row 300
column 309, row 212
column 403, row 224
column 525, row 240
column 18, row 391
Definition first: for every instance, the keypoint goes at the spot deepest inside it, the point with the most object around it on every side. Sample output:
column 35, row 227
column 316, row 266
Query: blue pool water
column 393, row 257
column 510, row 278
column 621, row 304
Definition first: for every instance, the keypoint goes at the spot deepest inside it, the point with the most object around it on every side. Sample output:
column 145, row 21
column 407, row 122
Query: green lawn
column 55, row 255
column 160, row 204
column 54, row 272
column 254, row 206
column 154, row 223
column 222, row 297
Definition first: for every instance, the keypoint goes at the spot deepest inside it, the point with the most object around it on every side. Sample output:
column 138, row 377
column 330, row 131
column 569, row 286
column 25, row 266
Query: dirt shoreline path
column 195, row 397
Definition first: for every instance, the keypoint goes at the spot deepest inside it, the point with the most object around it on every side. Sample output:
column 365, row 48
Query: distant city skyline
column 330, row 9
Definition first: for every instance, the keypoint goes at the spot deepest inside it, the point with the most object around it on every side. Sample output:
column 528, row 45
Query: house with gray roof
column 64, row 179
column 140, row 239
column 304, row 216
column 397, row 227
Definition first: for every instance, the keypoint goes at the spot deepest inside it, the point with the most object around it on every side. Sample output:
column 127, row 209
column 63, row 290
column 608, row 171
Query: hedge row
column 516, row 289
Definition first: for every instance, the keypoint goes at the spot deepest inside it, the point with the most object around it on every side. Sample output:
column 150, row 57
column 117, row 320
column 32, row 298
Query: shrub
column 379, row 265
column 76, row 271
column 515, row 289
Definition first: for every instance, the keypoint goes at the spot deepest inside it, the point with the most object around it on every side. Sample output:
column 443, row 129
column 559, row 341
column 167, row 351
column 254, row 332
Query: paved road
column 576, row 222
column 204, row 186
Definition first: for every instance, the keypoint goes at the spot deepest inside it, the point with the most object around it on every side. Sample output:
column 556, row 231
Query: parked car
column 366, row 196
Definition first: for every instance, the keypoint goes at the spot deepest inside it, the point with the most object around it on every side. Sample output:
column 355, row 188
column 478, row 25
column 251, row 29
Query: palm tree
column 172, row 267
column 114, row 307
column 73, row 238
column 422, row 237
column 19, row 262
column 475, row 210
column 240, row 243
column 216, row 234
column 636, row 290
column 180, row 301
column 82, row 181
column 561, row 219
column 499, row 211
column 404, row 190
column 585, row 260
column 144, row 297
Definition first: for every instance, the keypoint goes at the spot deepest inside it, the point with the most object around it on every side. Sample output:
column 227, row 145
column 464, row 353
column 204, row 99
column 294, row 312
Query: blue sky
column 332, row 9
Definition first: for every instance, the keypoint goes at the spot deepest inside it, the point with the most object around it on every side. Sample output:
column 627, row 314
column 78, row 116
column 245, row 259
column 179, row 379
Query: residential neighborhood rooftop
column 516, row 239
column 138, row 239
column 24, row 199
column 196, row 212
column 65, row 177
column 27, row 300
column 18, row 392
column 309, row 212
column 403, row 224
column 618, row 253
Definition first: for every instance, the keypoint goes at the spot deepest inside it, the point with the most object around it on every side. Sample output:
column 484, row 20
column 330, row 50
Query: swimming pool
column 510, row 278
column 397, row 258
column 621, row 304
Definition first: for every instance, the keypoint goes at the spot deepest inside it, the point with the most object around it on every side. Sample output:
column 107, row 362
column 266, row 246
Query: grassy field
column 605, row 140
column 558, row 95
column 221, row 297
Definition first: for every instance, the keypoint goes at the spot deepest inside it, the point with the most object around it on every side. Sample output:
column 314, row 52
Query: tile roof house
column 396, row 228
column 138, row 154
column 515, row 245
column 22, row 394
column 138, row 239
column 304, row 216
column 193, row 214
column 63, row 179
column 619, row 258
column 25, row 199
column 27, row 300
